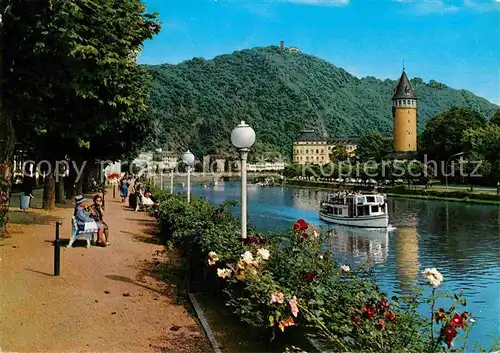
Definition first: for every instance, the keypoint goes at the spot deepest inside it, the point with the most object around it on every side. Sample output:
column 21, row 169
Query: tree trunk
column 79, row 187
column 6, row 146
column 6, row 152
column 49, row 192
column 70, row 185
column 60, row 192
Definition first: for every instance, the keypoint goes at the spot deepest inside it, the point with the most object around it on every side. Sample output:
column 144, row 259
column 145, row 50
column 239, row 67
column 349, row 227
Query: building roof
column 345, row 139
column 309, row 135
column 404, row 89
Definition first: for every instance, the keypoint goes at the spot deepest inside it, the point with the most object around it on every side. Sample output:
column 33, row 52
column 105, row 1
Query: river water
column 462, row 241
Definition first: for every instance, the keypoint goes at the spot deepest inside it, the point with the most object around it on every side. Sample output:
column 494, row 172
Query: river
column 461, row 240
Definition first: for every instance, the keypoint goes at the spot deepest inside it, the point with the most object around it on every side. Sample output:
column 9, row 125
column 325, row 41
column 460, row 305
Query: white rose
column 223, row 273
column 433, row 276
column 345, row 268
column 247, row 257
column 263, row 254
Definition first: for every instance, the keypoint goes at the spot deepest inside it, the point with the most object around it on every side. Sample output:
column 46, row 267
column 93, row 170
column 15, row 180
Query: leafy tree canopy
column 72, row 85
column 442, row 136
column 374, row 146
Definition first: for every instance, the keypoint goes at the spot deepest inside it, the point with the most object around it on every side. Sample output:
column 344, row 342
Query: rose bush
column 291, row 280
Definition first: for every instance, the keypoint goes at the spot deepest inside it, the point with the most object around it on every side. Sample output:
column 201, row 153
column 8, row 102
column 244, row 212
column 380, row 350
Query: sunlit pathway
column 105, row 300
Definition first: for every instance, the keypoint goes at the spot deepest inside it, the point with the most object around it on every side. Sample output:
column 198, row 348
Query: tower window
column 408, row 121
column 409, row 146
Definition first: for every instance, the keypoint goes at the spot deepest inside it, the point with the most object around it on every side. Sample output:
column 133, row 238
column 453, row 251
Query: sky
column 456, row 42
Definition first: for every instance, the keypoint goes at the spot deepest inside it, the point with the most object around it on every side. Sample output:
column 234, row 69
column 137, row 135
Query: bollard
column 57, row 252
column 114, row 191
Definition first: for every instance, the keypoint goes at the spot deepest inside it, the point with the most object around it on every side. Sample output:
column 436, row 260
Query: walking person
column 123, row 189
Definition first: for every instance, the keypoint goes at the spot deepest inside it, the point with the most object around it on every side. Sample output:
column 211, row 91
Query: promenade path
column 105, row 300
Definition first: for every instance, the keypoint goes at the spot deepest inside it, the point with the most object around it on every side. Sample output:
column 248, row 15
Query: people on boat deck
column 98, row 216
column 85, row 216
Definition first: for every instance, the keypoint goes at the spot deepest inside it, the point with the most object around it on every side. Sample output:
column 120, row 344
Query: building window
column 317, row 151
column 409, row 133
column 408, row 121
column 317, row 158
column 322, row 158
column 409, row 146
column 307, row 151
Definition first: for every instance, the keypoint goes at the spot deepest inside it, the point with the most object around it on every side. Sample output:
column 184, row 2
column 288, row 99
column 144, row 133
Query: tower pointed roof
column 404, row 88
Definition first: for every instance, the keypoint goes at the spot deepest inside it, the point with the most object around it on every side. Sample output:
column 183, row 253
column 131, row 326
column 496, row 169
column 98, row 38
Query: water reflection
column 406, row 257
column 360, row 245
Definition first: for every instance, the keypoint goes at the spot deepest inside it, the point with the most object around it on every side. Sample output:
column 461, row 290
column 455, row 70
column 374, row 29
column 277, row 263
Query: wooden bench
column 75, row 234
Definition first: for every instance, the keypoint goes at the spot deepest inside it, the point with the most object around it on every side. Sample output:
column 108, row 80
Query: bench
column 75, row 233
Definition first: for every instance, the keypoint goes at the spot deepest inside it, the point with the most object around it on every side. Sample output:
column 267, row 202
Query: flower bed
column 290, row 281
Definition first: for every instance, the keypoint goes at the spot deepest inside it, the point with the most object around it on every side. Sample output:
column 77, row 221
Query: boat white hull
column 381, row 221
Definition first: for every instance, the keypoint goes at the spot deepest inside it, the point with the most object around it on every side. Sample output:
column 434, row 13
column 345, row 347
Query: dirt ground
column 105, row 300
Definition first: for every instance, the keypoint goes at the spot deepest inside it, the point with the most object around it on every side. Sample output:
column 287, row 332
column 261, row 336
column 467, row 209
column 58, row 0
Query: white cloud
column 423, row 7
column 320, row 2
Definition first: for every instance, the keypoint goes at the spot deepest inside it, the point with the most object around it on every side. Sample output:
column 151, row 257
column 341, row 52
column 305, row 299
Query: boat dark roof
column 404, row 89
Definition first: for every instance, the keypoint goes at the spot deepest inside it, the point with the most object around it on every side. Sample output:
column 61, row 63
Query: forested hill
column 197, row 102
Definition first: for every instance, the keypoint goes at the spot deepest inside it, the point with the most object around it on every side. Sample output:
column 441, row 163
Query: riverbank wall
column 490, row 198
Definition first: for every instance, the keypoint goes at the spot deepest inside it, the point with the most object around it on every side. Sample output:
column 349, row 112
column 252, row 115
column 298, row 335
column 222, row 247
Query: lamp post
column 448, row 161
column 188, row 159
column 172, row 181
column 243, row 137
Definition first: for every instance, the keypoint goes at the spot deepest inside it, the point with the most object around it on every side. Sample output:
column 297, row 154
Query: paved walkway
column 106, row 299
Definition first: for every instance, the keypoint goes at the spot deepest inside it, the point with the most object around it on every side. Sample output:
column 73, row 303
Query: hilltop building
column 290, row 49
column 311, row 148
column 404, row 114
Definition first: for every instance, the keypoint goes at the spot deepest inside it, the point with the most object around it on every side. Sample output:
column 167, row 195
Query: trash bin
column 24, row 202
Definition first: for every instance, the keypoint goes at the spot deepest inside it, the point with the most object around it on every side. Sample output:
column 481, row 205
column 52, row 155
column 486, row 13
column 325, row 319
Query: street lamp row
column 242, row 138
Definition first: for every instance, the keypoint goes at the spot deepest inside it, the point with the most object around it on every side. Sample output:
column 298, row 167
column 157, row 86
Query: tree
column 495, row 119
column 484, row 143
column 442, row 136
column 72, row 85
column 374, row 146
column 6, row 138
column 339, row 154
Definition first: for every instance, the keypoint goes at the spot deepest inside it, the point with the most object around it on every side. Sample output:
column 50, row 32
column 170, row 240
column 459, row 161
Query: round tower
column 404, row 114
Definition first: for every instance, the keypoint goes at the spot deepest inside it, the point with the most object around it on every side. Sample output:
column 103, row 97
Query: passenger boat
column 355, row 210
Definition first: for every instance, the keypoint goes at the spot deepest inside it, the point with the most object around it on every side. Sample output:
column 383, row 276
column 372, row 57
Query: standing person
column 123, row 189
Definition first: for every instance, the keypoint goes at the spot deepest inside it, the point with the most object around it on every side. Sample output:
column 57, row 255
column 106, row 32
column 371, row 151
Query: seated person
column 84, row 214
column 148, row 200
column 98, row 216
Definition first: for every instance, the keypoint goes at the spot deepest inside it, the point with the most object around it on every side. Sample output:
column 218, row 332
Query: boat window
column 340, row 211
column 335, row 210
column 374, row 208
column 370, row 199
column 360, row 199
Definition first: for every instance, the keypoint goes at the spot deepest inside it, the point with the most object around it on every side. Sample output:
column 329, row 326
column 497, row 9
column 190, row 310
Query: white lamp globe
column 243, row 136
column 188, row 158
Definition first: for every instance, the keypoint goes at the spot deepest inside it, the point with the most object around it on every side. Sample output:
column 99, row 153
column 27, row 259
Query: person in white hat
column 83, row 215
